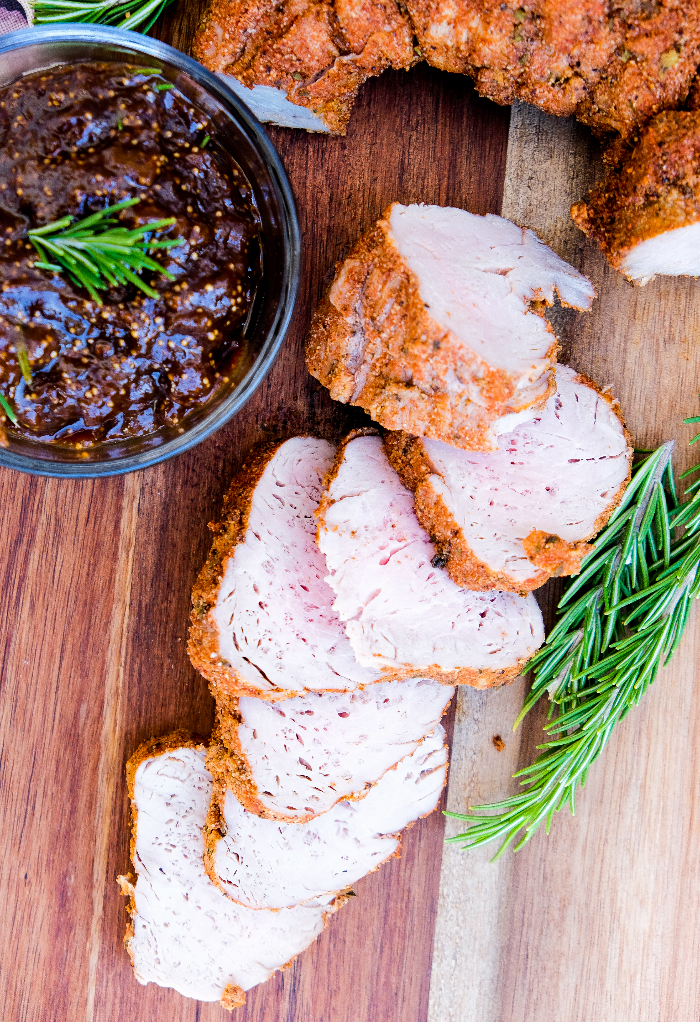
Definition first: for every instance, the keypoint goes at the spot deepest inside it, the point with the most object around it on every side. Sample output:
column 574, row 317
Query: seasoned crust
column 612, row 65
column 316, row 52
column 656, row 190
column 203, row 643
column 373, row 344
column 551, row 555
column 474, row 677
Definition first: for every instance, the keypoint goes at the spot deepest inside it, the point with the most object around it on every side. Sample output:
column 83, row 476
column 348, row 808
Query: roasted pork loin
column 403, row 614
column 293, row 760
column 613, row 65
column 184, row 933
column 512, row 518
column 433, row 324
column 263, row 623
column 300, row 64
column 266, row 864
column 645, row 215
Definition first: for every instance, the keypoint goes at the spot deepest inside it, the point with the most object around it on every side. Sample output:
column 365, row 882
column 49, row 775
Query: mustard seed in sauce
column 73, row 141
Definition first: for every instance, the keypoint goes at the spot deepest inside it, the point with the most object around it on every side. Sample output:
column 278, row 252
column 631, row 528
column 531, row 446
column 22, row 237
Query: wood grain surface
column 597, row 921
column 95, row 589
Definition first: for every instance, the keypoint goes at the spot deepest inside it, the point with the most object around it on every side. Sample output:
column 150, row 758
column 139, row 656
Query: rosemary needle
column 133, row 14
column 619, row 621
column 97, row 254
column 23, row 359
column 7, row 408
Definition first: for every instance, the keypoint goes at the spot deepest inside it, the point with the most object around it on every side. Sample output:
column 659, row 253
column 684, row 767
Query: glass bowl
column 36, row 49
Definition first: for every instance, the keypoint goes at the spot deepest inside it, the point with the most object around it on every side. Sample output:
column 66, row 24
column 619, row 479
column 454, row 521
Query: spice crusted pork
column 403, row 613
column 183, row 932
column 434, row 324
column 300, row 63
column 512, row 518
column 612, row 65
column 646, row 214
column 265, row 864
column 263, row 623
column 293, row 760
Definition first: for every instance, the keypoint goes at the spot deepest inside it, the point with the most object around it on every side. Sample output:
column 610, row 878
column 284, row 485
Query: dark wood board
column 94, row 612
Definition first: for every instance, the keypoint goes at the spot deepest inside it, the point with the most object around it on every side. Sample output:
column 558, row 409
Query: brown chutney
column 74, row 140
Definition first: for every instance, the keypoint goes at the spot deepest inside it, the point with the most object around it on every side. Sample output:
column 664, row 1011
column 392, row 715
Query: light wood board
column 597, row 921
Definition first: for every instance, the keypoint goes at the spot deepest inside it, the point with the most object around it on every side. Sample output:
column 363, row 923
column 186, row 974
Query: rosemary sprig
column 132, row 14
column 96, row 254
column 618, row 622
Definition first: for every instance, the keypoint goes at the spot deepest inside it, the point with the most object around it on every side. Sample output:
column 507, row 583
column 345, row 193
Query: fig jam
column 74, row 140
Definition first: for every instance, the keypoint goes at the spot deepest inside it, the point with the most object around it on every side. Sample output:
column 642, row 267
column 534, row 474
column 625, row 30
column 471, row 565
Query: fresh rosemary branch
column 96, row 254
column 132, row 14
column 618, row 622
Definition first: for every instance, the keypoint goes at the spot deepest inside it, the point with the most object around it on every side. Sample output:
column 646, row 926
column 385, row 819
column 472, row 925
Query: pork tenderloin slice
column 434, row 324
column 294, row 760
column 403, row 613
column 262, row 620
column 512, row 518
column 645, row 215
column 265, row 864
column 184, row 933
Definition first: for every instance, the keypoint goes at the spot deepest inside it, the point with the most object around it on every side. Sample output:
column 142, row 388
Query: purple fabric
column 12, row 16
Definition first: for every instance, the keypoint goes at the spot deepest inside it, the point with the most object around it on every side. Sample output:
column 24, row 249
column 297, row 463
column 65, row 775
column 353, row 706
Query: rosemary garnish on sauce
column 133, row 14
column 97, row 254
column 619, row 621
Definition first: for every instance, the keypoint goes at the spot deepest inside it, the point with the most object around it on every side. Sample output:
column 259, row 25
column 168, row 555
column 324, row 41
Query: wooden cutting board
column 594, row 922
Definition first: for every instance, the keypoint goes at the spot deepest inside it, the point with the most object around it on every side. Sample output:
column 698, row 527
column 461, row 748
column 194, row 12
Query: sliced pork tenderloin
column 262, row 620
column 511, row 518
column 267, row 864
column 402, row 612
column 301, row 64
column 434, row 324
column 183, row 932
column 645, row 215
column 295, row 759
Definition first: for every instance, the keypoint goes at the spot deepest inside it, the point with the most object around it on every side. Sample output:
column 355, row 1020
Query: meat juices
column 512, row 518
column 75, row 140
column 434, row 324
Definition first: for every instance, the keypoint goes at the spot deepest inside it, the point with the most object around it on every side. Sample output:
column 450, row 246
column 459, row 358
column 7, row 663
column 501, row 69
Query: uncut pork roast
column 434, row 324
column 613, row 65
column 301, row 64
column 184, row 933
column 646, row 214
column 402, row 612
column 294, row 759
column 267, row 864
column 512, row 518
column 263, row 623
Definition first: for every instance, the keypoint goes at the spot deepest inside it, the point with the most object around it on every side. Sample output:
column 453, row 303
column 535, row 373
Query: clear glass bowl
column 35, row 49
